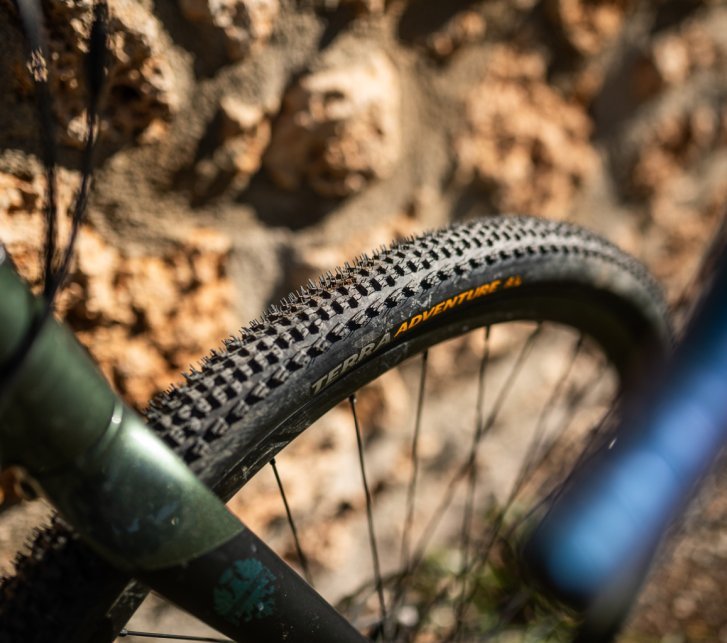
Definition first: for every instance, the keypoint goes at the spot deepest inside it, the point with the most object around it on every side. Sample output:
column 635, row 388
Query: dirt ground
column 248, row 146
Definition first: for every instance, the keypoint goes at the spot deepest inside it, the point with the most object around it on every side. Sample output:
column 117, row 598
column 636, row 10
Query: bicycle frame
column 142, row 509
column 596, row 544
column 129, row 496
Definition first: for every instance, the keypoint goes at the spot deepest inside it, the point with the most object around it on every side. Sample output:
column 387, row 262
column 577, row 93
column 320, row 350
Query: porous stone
column 143, row 317
column 244, row 24
column 465, row 27
column 523, row 143
column 365, row 7
column 677, row 54
column 240, row 133
column 672, row 143
column 141, row 87
column 339, row 128
column 588, row 25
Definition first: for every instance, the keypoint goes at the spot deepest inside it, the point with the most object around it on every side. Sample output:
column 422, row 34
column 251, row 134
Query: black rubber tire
column 251, row 398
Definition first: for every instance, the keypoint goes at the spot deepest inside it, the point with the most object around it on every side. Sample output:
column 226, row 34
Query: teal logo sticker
column 245, row 592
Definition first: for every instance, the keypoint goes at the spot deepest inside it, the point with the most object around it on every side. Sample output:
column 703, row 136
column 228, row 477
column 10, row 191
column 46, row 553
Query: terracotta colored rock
column 463, row 28
column 144, row 318
column 588, row 25
column 523, row 142
column 241, row 132
column 141, row 87
column 21, row 229
column 671, row 144
column 677, row 54
column 244, row 24
column 369, row 6
column 666, row 153
column 339, row 128
column 364, row 7
column 157, row 314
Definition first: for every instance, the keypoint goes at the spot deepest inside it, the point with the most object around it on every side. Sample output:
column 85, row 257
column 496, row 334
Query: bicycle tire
column 250, row 399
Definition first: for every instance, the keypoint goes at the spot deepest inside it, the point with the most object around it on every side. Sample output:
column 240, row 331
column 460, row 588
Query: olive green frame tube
column 134, row 500
column 137, row 502
column 129, row 495
column 56, row 404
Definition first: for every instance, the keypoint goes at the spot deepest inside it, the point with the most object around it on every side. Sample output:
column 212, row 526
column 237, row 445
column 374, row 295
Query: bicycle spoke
column 177, row 637
column 472, row 478
column 514, row 605
column 584, row 391
column 486, row 426
column 530, row 461
column 538, row 434
column 301, row 556
column 411, row 490
column 576, row 400
column 463, row 470
column 369, row 515
column 453, row 594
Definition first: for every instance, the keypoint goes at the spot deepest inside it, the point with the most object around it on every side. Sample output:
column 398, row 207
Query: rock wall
column 302, row 132
column 248, row 145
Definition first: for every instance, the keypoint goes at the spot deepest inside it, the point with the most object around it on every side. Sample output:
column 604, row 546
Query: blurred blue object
column 594, row 546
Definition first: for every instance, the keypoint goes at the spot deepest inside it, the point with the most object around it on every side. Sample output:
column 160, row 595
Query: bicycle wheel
column 251, row 399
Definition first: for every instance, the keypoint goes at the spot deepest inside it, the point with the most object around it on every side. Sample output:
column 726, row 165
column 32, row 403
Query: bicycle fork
column 129, row 496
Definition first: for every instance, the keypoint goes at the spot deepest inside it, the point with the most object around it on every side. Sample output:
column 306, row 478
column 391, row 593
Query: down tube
column 142, row 508
column 595, row 545
column 243, row 589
